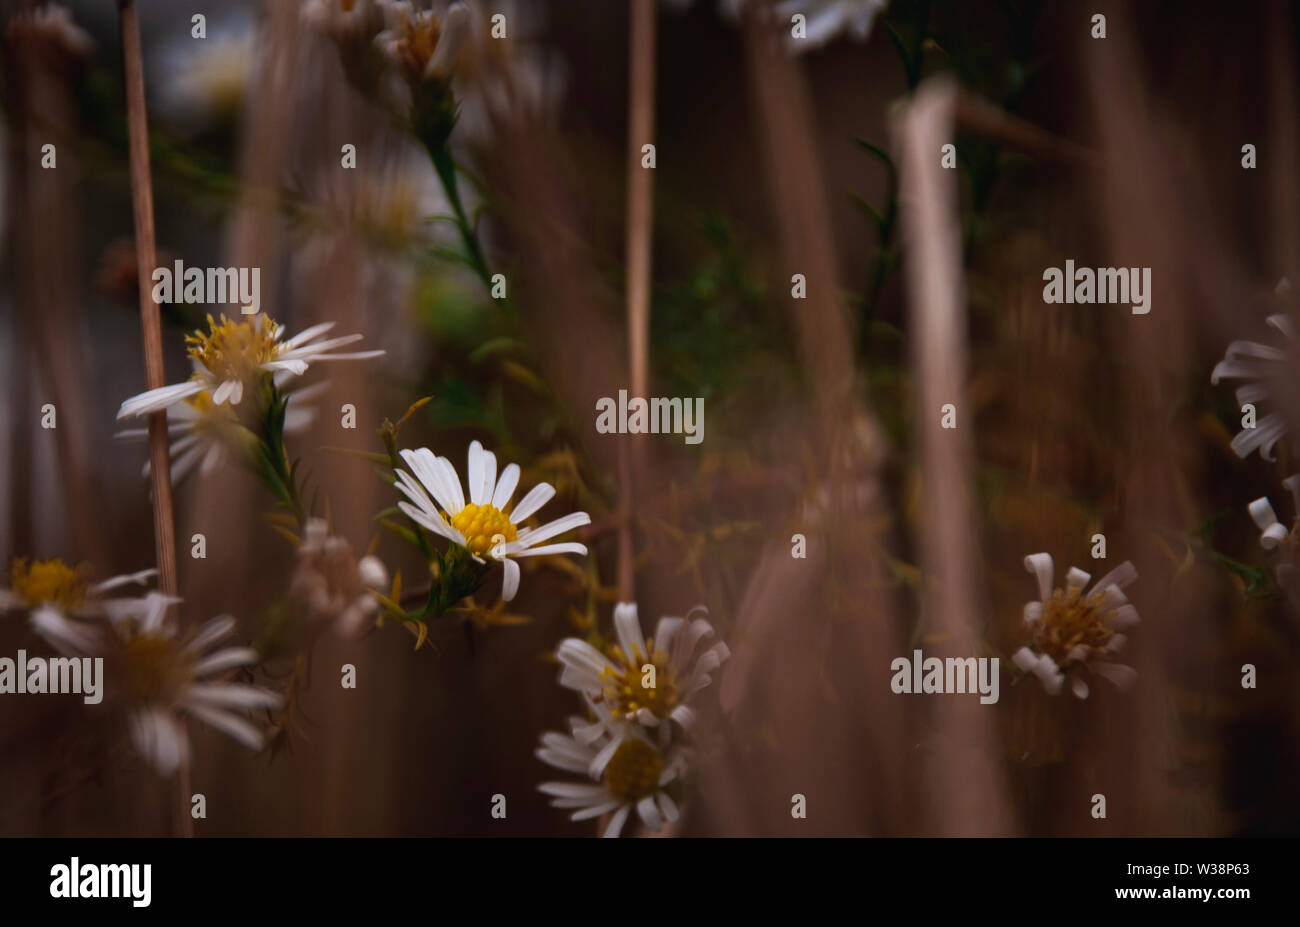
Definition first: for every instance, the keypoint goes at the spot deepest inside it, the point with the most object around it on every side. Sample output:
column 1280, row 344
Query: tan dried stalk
column 151, row 323
column 640, row 239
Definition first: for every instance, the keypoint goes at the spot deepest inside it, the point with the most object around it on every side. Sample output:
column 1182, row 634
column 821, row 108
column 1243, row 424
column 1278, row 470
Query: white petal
column 1266, row 433
column 628, row 628
column 1033, row 613
column 227, row 659
column 125, row 579
column 568, row 547
column 1261, row 511
column 550, row 530
column 213, row 630
column 505, row 487
column 1076, row 578
column 70, row 638
column 649, row 813
column 225, row 391
column 229, row 724
column 616, row 822
column 1122, row 576
column 537, row 497
column 156, row 399
column 307, row 334
column 509, row 579
column 1122, row 676
column 1041, row 566
column 225, row 695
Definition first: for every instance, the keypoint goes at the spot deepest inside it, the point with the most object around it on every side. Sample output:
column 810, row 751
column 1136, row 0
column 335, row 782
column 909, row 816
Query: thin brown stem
column 151, row 323
column 640, row 224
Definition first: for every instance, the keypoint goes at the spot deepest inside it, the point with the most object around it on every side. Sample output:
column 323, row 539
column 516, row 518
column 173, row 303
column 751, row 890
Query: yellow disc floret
column 480, row 524
column 233, row 349
column 631, row 684
column 49, row 582
column 1072, row 620
column 157, row 669
column 633, row 771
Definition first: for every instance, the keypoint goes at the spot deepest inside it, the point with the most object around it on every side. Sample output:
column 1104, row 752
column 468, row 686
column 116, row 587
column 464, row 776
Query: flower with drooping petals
column 1074, row 629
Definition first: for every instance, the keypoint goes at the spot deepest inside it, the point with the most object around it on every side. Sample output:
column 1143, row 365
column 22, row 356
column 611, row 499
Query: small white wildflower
column 1073, row 629
column 483, row 526
column 616, row 681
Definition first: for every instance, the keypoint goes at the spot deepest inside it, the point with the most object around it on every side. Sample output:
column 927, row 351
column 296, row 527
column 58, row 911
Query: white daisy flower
column 617, row 680
column 1267, row 371
column 627, row 772
column 482, row 526
column 826, row 20
column 331, row 583
column 236, row 351
column 207, row 436
column 1073, row 629
column 57, row 588
column 422, row 44
column 160, row 675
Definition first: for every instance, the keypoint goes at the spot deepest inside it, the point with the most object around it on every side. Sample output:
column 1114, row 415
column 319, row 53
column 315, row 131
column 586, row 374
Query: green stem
column 445, row 166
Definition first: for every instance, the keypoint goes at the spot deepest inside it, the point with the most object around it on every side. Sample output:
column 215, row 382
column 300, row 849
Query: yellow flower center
column 633, row 771
column 234, row 349
column 1070, row 620
column 630, row 686
column 480, row 524
column 50, row 582
column 157, row 669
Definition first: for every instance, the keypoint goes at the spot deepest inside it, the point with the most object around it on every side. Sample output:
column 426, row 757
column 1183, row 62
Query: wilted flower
column 234, row 352
column 482, row 526
column 644, row 681
column 159, row 675
column 422, row 43
column 1276, row 536
column 1073, row 629
column 331, row 583
column 627, row 771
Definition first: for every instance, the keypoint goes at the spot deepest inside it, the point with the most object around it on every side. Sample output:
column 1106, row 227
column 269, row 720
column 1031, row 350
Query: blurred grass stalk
column 971, row 797
column 779, row 682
